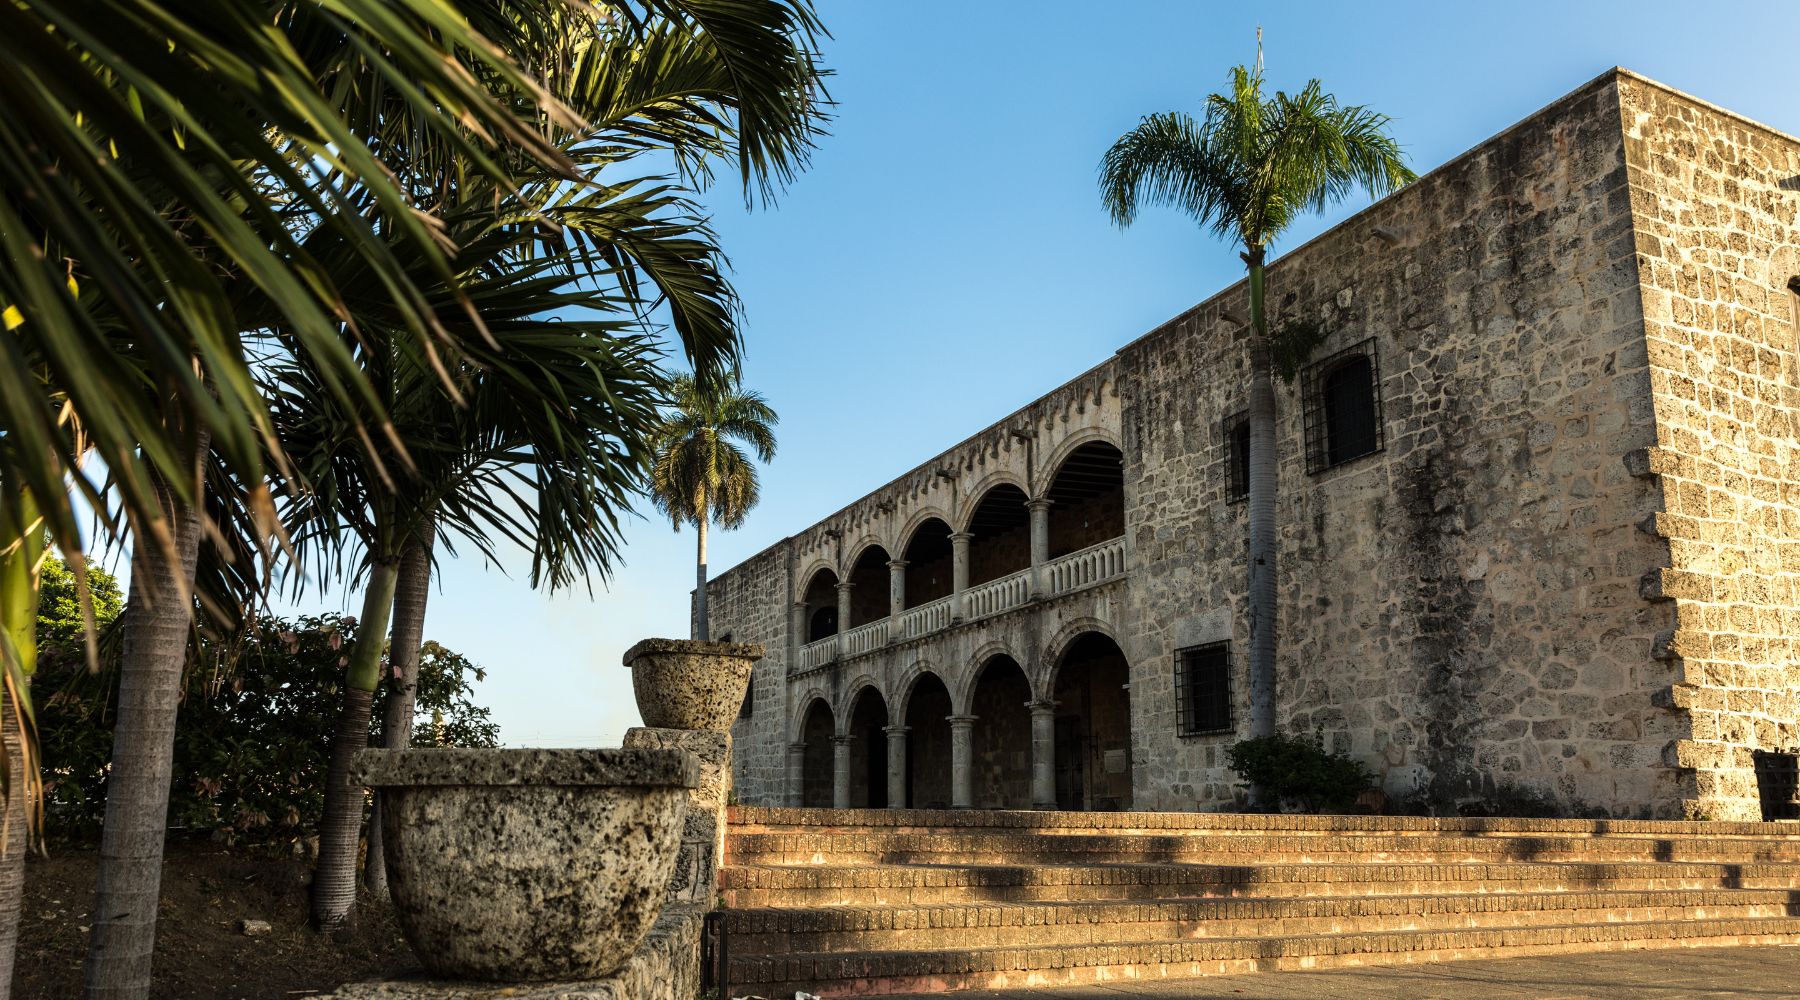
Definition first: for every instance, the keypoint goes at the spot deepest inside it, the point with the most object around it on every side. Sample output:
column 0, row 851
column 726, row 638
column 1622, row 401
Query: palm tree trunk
column 1263, row 482
column 334, row 879
column 158, row 615
column 700, row 626
column 18, row 617
column 412, row 588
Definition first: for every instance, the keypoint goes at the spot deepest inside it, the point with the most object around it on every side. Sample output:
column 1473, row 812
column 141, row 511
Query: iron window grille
column 1341, row 403
column 1236, row 433
column 1203, row 688
column 1777, row 784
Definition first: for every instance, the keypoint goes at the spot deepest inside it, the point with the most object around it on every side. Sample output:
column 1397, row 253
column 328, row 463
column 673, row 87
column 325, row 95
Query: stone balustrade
column 818, row 653
column 864, row 638
column 926, row 618
column 995, row 596
column 1087, row 566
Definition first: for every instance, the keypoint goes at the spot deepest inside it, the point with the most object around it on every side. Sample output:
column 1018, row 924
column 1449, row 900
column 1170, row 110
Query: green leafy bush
column 253, row 736
column 1294, row 769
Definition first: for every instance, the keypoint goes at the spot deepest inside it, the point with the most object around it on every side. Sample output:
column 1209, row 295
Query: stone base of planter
column 666, row 966
column 696, row 877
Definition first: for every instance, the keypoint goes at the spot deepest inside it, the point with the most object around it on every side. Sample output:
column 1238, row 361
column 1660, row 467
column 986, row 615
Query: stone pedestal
column 696, row 875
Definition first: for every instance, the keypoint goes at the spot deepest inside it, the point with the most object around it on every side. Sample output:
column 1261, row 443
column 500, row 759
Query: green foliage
column 698, row 473
column 251, row 743
column 1296, row 769
column 59, row 606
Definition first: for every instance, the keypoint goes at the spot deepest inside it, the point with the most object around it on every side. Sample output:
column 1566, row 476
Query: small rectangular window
column 1341, row 400
column 1203, row 688
column 1237, row 454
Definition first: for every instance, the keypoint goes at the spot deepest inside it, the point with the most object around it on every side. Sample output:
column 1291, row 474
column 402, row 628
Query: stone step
column 841, row 930
column 845, row 848
column 756, row 819
column 887, row 972
column 753, row 886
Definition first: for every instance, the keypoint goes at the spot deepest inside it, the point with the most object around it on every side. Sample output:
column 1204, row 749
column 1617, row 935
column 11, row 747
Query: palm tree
column 699, row 475
column 1246, row 169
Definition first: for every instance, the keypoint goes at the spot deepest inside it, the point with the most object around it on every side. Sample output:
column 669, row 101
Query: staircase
column 846, row 903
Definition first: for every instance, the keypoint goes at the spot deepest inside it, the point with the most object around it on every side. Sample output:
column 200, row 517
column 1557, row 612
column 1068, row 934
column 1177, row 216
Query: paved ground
column 1669, row 974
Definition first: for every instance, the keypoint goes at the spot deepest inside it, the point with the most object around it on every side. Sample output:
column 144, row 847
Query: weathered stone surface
column 513, row 878
column 687, row 684
column 1587, row 496
column 665, row 966
column 703, row 831
column 455, row 766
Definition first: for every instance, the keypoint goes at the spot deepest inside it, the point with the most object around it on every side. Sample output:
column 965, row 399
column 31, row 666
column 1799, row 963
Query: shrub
column 1294, row 769
column 253, row 736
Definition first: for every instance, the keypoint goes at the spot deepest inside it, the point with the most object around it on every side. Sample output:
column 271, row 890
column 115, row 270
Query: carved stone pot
column 528, row 865
column 689, row 684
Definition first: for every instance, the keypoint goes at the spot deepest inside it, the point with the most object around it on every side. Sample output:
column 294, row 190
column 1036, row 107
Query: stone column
column 896, row 592
column 959, row 572
column 896, row 762
column 845, row 589
column 796, row 629
column 796, row 775
column 696, row 875
column 1040, row 544
column 1043, row 754
column 840, row 771
column 962, row 761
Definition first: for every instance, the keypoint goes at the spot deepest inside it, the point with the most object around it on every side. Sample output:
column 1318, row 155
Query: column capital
column 796, row 748
column 800, row 605
column 961, row 536
column 843, row 741
column 1038, row 503
column 961, row 720
column 845, row 586
column 898, row 564
column 896, row 730
column 1041, row 705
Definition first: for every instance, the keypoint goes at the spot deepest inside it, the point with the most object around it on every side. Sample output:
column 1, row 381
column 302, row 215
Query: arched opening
column 821, row 606
column 869, row 577
column 928, row 744
column 816, row 731
column 1000, row 744
column 868, row 750
column 1000, row 530
column 1348, row 397
column 1093, row 726
column 1087, row 499
column 930, row 563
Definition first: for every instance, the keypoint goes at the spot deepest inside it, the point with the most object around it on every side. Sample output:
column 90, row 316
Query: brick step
column 845, row 930
column 894, row 885
column 1020, row 848
column 879, row 973
column 756, row 819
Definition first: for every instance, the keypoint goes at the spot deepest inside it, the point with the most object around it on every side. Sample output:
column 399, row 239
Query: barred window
column 1237, row 454
column 1777, row 784
column 1342, row 399
column 1203, row 688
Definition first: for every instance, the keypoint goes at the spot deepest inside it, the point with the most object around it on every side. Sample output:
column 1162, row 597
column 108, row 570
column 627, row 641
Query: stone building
column 1539, row 518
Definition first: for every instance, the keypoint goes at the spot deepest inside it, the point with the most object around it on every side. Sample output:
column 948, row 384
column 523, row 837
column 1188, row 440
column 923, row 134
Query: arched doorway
column 1000, row 535
column 1000, row 742
column 1087, row 499
column 1093, row 726
column 928, row 713
column 868, row 750
column 816, row 765
column 821, row 606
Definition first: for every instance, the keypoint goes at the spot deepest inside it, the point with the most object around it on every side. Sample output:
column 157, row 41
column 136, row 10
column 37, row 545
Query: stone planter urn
column 528, row 865
column 689, row 684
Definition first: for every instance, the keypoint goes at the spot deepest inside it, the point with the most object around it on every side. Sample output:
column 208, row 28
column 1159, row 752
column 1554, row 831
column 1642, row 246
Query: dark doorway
column 1071, row 753
column 1001, row 741
column 817, row 764
column 1093, row 698
column 868, row 751
column 928, row 744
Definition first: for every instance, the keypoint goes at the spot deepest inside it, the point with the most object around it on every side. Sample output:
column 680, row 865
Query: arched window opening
column 1087, row 499
column 821, row 606
column 869, row 587
column 930, row 563
column 1000, row 743
column 817, row 762
column 868, row 750
column 1342, row 407
column 1000, row 530
column 927, row 716
column 1092, row 760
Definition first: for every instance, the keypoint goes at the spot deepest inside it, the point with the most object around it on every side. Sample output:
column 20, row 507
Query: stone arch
column 964, row 691
column 1000, row 738
column 856, row 549
column 924, row 706
column 1060, row 642
column 854, row 689
column 1066, row 447
column 804, row 578
column 1090, row 689
column 865, row 719
column 930, row 560
column 983, row 486
column 816, row 731
column 818, row 595
column 904, row 536
column 869, row 577
column 804, row 706
column 909, row 679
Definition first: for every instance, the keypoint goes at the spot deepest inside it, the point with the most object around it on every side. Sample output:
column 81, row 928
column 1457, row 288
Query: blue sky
column 946, row 259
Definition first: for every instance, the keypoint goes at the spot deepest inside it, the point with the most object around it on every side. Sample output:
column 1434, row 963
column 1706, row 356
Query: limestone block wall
column 1716, row 199
column 749, row 603
column 1460, row 609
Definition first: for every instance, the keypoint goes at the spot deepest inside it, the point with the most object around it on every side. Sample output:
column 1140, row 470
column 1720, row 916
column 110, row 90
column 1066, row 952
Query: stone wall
column 1716, row 199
